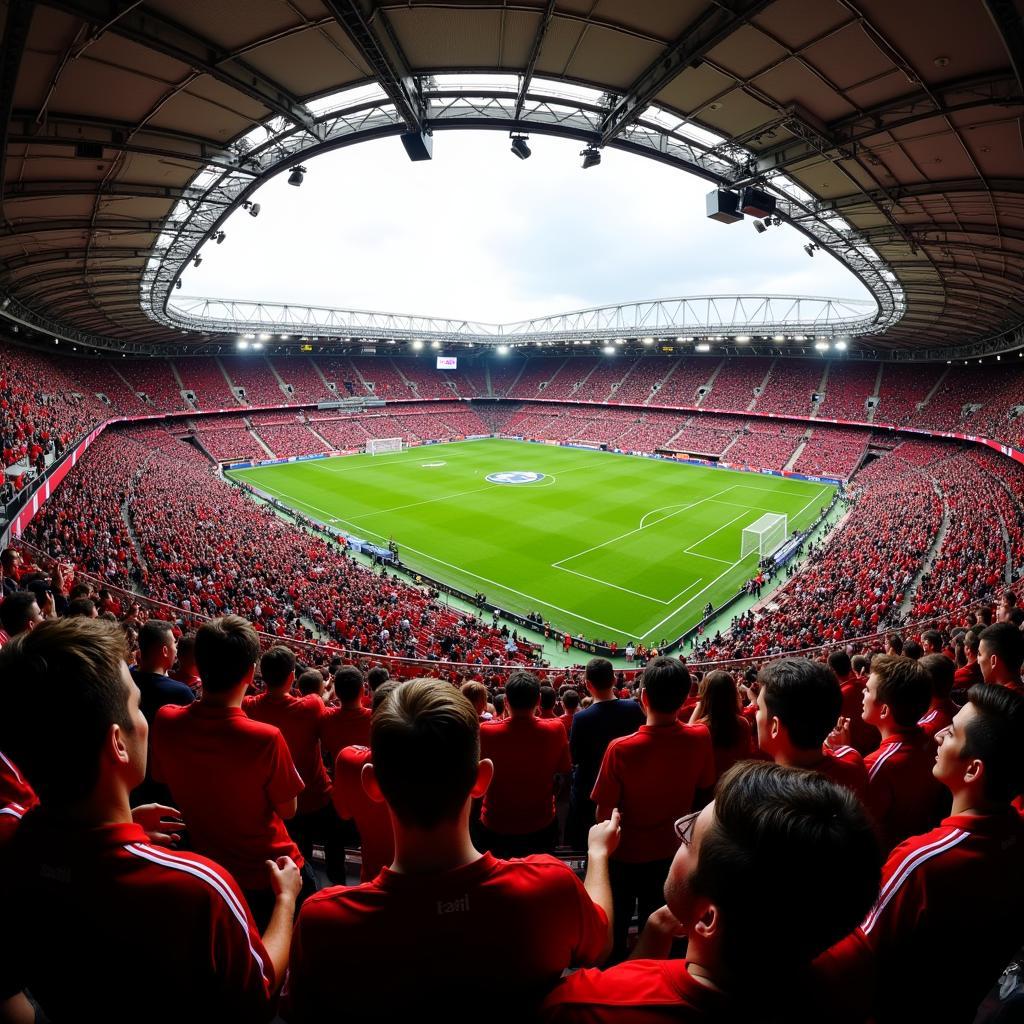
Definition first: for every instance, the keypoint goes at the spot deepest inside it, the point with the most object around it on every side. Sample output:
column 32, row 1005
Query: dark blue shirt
column 592, row 730
column 157, row 690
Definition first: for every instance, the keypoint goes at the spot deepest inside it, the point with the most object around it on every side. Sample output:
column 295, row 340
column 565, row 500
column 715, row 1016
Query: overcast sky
column 477, row 234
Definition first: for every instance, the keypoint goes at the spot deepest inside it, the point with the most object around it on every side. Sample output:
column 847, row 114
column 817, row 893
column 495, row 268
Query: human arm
column 161, row 824
column 655, row 941
column 288, row 809
column 286, row 881
column 602, row 842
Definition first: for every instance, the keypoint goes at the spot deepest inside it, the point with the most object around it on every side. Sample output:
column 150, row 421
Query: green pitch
column 608, row 545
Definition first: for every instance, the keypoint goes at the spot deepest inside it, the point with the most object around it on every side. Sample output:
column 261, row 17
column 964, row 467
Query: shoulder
column 168, row 714
column 352, row 756
column 632, row 983
column 191, row 875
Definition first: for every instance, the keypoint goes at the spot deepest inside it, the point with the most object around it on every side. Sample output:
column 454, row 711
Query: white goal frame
column 383, row 445
column 765, row 535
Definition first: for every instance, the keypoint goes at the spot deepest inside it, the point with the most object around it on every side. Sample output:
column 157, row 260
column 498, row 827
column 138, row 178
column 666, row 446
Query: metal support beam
column 148, row 28
column 1006, row 16
column 75, row 256
column 384, row 56
column 16, row 28
column 134, row 190
column 717, row 22
column 126, row 224
column 531, row 62
column 69, row 130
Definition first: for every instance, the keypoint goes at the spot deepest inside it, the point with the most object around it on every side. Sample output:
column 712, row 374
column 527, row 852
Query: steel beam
column 715, row 24
column 526, row 78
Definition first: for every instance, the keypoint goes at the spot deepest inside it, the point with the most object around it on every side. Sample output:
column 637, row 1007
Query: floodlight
column 503, row 350
column 778, row 337
column 219, row 237
column 242, row 343
column 257, row 344
column 841, row 345
column 742, row 337
column 821, row 346
column 648, row 341
column 198, row 259
column 609, row 350
column 591, row 157
column 297, row 175
column 760, row 226
column 435, row 344
column 521, row 147
column 703, row 347
column 417, row 344
column 253, row 208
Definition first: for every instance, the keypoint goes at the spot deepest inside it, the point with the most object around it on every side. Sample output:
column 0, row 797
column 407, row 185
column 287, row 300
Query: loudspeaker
column 418, row 145
column 757, row 203
column 723, row 206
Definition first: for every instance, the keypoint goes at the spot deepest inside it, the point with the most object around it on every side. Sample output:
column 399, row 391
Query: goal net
column 383, row 445
column 765, row 535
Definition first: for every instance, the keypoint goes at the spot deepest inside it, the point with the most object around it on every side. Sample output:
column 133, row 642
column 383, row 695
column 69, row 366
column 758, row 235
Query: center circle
column 517, row 476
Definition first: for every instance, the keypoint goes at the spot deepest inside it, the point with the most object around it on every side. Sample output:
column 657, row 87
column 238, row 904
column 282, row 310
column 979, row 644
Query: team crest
column 515, row 477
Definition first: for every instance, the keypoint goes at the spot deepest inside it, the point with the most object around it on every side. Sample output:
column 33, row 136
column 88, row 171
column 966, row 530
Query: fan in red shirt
column 348, row 724
column 570, row 705
column 797, row 707
column 232, row 778
column 531, row 757
column 84, row 886
column 352, row 802
column 967, row 675
column 962, row 879
column 903, row 796
column 661, row 772
column 299, row 719
column 429, row 916
column 863, row 737
column 743, row 962
column 1001, row 654
column 941, row 709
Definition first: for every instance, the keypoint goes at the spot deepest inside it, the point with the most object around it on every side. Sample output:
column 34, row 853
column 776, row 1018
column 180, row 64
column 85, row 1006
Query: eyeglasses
column 684, row 827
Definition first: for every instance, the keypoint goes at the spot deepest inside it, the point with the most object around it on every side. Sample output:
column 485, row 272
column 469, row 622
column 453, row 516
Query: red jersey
column 936, row 718
column 13, row 787
column 653, row 777
column 964, row 678
column 636, row 992
column 904, row 798
column 845, row 767
column 298, row 718
column 863, row 736
column 372, row 818
column 344, row 727
column 532, row 916
column 964, row 878
column 566, row 720
column 10, row 818
column 78, row 904
column 527, row 753
column 227, row 774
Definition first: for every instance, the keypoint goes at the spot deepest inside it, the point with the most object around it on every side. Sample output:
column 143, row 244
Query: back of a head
column 425, row 748
column 839, row 662
column 805, row 697
column 310, row 681
column 17, row 611
column 895, row 642
column 940, row 671
column 62, row 687
column 277, row 666
column 904, row 685
column 476, row 694
column 666, row 682
column 861, row 663
column 377, row 675
column 348, row 683
column 226, row 650
column 1006, row 641
column 996, row 737
column 912, row 649
column 570, row 700
column 812, row 843
column 83, row 607
column 600, row 674
column 522, row 691
column 720, row 706
column 548, row 698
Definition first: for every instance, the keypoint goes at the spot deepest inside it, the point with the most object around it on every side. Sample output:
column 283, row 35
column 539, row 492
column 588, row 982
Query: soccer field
column 608, row 545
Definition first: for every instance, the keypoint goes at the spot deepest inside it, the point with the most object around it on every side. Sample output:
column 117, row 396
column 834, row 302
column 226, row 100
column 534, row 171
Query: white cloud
column 477, row 234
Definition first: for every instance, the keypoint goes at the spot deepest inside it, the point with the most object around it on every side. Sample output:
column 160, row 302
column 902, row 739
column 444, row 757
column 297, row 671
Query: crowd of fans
column 193, row 794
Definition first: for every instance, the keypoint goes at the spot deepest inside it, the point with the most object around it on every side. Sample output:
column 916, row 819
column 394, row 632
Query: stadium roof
column 890, row 132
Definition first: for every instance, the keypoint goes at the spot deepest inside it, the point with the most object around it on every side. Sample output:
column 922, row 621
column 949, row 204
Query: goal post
column 765, row 535
column 383, row 445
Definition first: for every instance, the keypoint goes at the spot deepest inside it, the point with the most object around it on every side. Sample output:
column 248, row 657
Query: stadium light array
column 841, row 345
column 591, row 157
column 778, row 337
column 257, row 344
column 503, row 350
column 520, row 146
column 821, row 346
column 297, row 175
column 703, row 347
column 435, row 344
column 417, row 344
column 253, row 208
column 648, row 341
column 242, row 344
column 609, row 350
column 742, row 337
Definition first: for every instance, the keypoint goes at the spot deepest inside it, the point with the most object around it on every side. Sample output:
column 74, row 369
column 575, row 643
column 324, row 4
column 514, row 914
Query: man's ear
column 371, row 787
column 250, row 675
column 484, row 775
column 707, row 924
column 774, row 727
column 115, row 746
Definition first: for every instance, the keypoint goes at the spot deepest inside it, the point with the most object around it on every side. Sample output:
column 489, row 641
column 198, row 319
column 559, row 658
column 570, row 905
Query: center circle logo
column 515, row 477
